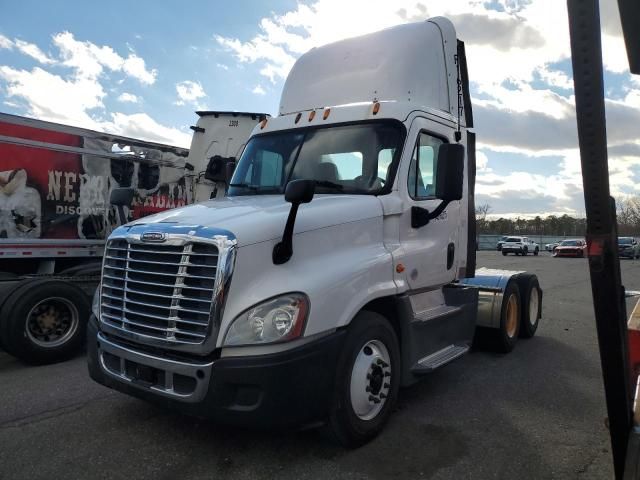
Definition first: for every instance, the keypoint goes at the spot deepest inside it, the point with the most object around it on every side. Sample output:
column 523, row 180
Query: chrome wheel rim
column 370, row 380
column 534, row 305
column 52, row 322
column 511, row 316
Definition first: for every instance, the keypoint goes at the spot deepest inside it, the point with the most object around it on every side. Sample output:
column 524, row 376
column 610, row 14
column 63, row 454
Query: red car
column 570, row 248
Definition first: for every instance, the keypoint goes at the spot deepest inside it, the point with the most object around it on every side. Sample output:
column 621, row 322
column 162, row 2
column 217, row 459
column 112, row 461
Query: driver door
column 431, row 251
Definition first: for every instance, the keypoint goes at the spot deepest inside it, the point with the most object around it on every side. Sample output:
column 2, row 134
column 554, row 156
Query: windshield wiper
column 244, row 185
column 328, row 184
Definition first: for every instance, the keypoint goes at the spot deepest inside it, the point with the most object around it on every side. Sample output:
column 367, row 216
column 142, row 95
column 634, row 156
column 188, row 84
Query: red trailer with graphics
column 55, row 186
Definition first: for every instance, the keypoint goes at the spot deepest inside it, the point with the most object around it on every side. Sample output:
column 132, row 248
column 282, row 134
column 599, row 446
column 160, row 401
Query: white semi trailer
column 55, row 214
column 339, row 266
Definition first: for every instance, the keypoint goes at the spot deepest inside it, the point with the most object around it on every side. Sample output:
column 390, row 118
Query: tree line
column 627, row 214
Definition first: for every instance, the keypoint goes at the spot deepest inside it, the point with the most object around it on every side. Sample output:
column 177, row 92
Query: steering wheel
column 370, row 183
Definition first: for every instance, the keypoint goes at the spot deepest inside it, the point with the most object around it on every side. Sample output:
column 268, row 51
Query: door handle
column 451, row 251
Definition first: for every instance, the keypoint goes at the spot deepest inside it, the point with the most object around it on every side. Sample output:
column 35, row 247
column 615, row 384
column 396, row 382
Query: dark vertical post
column 604, row 267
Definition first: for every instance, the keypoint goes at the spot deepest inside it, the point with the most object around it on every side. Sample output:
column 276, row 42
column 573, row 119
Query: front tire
column 504, row 254
column 367, row 381
column 44, row 321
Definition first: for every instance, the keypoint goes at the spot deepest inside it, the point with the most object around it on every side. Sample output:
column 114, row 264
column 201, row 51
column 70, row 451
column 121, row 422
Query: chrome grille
column 162, row 291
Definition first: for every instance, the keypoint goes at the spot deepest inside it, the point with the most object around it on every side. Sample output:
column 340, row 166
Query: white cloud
column 5, row 42
column 134, row 66
column 89, row 60
column 33, row 51
column 189, row 92
column 258, row 90
column 222, row 66
column 128, row 98
column 76, row 96
column 71, row 101
column 141, row 125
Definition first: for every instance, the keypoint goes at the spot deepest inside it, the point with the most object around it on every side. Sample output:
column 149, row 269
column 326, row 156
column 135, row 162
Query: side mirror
column 449, row 183
column 300, row 191
column 297, row 192
column 121, row 197
column 450, row 172
column 217, row 168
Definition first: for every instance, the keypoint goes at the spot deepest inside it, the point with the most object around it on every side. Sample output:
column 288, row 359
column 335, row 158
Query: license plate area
column 144, row 374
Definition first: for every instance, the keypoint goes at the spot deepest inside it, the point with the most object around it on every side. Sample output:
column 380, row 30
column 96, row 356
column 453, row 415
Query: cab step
column 441, row 357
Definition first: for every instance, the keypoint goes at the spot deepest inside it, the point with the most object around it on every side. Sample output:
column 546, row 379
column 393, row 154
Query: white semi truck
column 339, row 266
column 55, row 214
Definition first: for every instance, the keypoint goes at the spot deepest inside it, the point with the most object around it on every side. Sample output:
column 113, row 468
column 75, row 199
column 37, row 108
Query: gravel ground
column 535, row 413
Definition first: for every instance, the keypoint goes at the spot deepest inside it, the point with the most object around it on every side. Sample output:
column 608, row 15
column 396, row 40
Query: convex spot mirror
column 450, row 172
column 220, row 169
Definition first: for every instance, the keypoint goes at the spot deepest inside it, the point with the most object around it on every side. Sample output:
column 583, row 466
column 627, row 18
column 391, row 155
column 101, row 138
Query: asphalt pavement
column 537, row 412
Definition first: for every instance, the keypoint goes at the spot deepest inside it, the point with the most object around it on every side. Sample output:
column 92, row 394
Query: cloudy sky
column 142, row 68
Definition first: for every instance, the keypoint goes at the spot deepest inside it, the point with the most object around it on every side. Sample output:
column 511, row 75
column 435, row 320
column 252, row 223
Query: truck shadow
column 467, row 420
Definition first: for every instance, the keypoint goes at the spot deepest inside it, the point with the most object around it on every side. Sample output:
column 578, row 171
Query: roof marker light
column 326, row 114
column 298, row 116
column 376, row 107
column 312, row 115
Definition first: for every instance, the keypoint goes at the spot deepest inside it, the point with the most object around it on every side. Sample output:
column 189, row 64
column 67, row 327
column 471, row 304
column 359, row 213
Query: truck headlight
column 95, row 305
column 277, row 320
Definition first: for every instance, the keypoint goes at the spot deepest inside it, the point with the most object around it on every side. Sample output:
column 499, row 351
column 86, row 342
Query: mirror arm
column 421, row 216
column 284, row 249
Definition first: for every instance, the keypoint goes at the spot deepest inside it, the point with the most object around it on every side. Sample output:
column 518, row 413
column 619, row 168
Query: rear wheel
column 525, row 251
column 536, row 251
column 504, row 254
column 367, row 381
column 531, row 305
column 44, row 321
column 506, row 336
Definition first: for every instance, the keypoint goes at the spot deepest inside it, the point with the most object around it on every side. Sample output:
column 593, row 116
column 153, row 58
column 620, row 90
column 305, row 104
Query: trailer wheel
column 531, row 299
column 506, row 336
column 367, row 381
column 44, row 321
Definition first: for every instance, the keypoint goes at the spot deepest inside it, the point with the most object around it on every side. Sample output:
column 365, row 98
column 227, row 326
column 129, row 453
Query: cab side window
column 422, row 171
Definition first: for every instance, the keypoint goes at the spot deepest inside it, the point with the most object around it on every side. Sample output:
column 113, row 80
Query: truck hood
column 258, row 218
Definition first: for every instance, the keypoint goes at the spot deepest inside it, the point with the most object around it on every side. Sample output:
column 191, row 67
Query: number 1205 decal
column 233, row 123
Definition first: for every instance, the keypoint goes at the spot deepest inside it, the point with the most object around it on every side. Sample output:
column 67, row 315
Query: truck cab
column 335, row 269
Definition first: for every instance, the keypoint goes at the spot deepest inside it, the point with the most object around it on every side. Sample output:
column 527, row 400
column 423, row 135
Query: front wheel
column 504, row 254
column 367, row 381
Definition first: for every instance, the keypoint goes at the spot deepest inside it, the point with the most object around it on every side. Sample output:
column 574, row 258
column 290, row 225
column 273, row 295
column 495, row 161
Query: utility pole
column 604, row 266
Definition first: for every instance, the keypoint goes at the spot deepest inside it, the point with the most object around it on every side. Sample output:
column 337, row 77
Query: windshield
column 625, row 241
column 514, row 239
column 569, row 243
column 342, row 159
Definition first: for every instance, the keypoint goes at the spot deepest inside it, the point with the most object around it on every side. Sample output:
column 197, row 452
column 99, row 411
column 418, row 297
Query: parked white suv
column 519, row 246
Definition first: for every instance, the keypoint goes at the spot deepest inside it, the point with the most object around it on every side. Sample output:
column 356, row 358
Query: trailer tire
column 506, row 336
column 367, row 381
column 31, row 313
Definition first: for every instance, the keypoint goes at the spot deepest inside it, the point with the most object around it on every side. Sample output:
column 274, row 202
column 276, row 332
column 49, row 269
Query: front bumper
column 284, row 389
column 626, row 253
column 512, row 249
